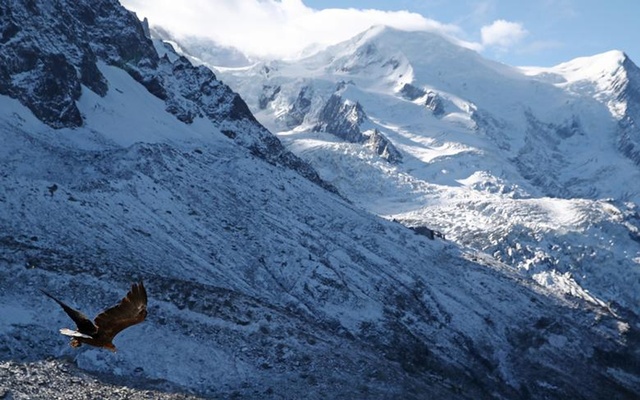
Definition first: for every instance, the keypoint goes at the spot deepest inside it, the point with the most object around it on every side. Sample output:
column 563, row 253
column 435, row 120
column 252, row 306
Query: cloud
column 272, row 28
column 286, row 28
column 502, row 34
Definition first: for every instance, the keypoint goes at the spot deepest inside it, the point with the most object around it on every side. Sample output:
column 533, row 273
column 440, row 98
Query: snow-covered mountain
column 535, row 166
column 119, row 164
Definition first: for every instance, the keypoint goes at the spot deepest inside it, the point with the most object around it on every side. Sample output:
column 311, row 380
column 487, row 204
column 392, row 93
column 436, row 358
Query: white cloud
column 285, row 28
column 276, row 28
column 502, row 34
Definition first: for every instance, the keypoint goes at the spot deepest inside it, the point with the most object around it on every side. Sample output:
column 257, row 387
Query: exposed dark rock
column 52, row 95
column 434, row 103
column 383, row 147
column 268, row 95
column 342, row 119
column 45, row 61
column 428, row 232
column 300, row 108
column 9, row 30
column 90, row 75
column 411, row 92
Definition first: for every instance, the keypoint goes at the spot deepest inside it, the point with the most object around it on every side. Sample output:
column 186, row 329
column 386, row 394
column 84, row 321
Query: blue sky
column 516, row 32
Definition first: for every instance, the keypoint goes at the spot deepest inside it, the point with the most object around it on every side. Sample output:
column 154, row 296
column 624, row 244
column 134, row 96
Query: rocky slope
column 45, row 72
column 61, row 379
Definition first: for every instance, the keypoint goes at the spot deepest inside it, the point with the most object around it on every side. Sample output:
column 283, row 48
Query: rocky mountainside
column 530, row 165
column 263, row 282
column 46, row 72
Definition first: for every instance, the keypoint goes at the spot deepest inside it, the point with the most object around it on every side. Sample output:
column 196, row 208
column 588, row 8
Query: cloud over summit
column 284, row 29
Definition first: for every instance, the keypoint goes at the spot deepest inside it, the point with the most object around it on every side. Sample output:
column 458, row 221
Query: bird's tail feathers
column 72, row 333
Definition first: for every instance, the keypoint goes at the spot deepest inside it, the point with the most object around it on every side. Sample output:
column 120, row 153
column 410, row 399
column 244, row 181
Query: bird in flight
column 131, row 310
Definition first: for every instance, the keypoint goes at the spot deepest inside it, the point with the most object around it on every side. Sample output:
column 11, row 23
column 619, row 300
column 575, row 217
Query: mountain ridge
column 114, row 35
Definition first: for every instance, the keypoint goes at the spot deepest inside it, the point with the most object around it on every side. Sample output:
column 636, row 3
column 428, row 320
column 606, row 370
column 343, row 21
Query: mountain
column 123, row 161
column 530, row 165
column 614, row 80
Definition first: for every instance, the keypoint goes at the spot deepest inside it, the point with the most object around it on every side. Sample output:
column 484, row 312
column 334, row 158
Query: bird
column 131, row 310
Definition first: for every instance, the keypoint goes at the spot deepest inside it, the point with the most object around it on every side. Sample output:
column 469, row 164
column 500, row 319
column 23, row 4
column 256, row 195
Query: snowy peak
column 628, row 94
column 592, row 68
column 367, row 54
column 610, row 78
column 607, row 77
column 628, row 87
column 400, row 57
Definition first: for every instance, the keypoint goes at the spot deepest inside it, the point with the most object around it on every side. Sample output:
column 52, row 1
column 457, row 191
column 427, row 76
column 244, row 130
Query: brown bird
column 131, row 310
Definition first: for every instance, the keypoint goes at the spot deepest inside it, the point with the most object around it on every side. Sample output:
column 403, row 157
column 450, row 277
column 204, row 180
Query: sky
column 519, row 33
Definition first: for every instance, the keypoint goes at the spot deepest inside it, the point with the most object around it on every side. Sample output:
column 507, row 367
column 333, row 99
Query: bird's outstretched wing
column 83, row 323
column 131, row 310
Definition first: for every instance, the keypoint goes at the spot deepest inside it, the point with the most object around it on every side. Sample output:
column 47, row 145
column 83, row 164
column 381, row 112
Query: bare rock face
column 344, row 118
column 434, row 103
column 52, row 94
column 341, row 118
column 43, row 62
column 268, row 95
column 383, row 146
column 299, row 108
column 431, row 99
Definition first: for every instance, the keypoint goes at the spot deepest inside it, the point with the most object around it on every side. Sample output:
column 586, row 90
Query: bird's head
column 110, row 346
